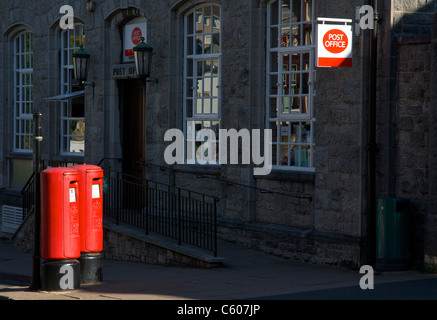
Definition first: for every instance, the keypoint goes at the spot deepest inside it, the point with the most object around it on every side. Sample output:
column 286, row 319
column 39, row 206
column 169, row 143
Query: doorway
column 133, row 125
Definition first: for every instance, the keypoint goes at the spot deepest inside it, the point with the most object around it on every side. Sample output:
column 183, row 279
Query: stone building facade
column 246, row 64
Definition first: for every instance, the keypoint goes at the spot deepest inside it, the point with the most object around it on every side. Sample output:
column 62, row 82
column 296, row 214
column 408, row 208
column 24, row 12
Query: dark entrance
column 133, row 121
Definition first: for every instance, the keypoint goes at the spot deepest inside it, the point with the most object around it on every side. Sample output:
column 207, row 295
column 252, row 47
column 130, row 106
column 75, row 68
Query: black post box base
column 60, row 275
column 91, row 267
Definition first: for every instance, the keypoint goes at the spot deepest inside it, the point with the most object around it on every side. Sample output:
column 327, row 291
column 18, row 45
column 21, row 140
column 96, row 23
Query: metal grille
column 12, row 217
column 183, row 215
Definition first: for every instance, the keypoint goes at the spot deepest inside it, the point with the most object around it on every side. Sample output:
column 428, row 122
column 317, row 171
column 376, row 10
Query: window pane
column 189, row 107
column 297, row 11
column 208, row 42
column 273, row 80
column 274, row 13
column 190, row 45
column 308, row 10
column 274, row 62
column 190, row 24
column 216, row 17
column 296, row 32
column 285, row 36
column 199, row 45
column 207, row 106
column 189, row 88
column 274, row 36
column 208, row 19
column 199, row 20
column 308, row 34
column 273, row 107
column 216, row 43
column 285, row 7
column 215, row 106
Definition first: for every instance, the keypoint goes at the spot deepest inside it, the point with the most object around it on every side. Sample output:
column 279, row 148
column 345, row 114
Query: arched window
column 202, row 35
column 72, row 110
column 290, row 73
column 23, row 93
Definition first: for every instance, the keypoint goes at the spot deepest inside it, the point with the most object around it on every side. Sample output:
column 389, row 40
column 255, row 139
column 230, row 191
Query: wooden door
column 133, row 127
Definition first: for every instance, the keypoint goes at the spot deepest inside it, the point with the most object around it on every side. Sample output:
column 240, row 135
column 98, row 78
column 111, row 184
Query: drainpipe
column 371, row 140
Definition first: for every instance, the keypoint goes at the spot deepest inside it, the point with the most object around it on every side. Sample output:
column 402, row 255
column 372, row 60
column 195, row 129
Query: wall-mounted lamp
column 81, row 61
column 143, row 61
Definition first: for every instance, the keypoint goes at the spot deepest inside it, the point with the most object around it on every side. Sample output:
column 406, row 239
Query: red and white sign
column 132, row 33
column 136, row 36
column 334, row 45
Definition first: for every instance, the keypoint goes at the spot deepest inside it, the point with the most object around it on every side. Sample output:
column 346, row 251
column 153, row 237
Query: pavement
column 246, row 274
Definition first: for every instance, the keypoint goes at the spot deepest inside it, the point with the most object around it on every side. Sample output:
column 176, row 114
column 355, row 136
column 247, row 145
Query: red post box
column 60, row 238
column 91, row 222
column 91, row 207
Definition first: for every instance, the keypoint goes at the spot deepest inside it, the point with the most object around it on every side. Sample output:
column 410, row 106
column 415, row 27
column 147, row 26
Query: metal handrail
column 186, row 216
column 27, row 192
column 178, row 213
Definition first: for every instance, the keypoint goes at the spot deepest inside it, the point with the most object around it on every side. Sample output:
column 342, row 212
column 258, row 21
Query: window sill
column 197, row 169
column 68, row 158
column 20, row 155
column 297, row 176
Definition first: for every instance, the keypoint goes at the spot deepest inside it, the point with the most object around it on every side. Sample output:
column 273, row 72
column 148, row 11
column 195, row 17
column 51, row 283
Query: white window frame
column 66, row 80
column 201, row 120
column 299, row 140
column 23, row 93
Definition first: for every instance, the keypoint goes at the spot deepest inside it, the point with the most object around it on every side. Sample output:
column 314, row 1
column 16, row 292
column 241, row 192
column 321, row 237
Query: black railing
column 27, row 194
column 180, row 214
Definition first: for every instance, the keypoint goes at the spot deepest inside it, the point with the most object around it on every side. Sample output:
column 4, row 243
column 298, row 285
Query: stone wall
column 129, row 244
column 333, row 203
column 340, row 127
column 333, row 209
column 413, row 17
column 295, row 243
column 430, row 238
column 413, row 124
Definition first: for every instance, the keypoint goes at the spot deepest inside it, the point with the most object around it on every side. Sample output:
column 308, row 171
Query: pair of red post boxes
column 72, row 218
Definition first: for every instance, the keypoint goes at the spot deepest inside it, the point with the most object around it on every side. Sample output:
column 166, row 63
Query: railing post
column 36, row 276
column 147, row 208
column 117, row 199
column 167, row 217
column 215, row 227
column 179, row 218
